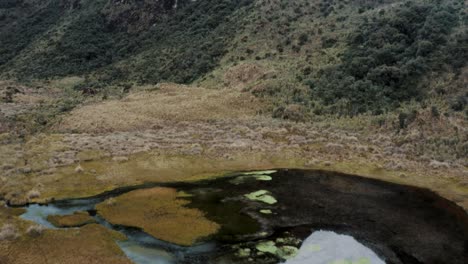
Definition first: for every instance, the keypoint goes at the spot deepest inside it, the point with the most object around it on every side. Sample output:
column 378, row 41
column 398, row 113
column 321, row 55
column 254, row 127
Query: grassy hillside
column 309, row 58
column 115, row 39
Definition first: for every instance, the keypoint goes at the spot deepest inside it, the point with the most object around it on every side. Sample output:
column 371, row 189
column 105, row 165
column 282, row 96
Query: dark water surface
column 401, row 224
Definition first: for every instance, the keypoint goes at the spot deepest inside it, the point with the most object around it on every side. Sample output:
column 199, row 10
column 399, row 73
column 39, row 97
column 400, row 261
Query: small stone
column 266, row 211
column 79, row 169
column 111, row 201
column 33, row 194
column 8, row 232
column 26, row 170
column 35, row 230
column 311, row 163
column 120, row 159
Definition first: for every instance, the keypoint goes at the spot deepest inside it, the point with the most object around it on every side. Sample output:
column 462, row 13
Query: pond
column 291, row 216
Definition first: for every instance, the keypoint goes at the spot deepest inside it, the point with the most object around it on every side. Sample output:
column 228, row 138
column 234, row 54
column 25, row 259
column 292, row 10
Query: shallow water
column 39, row 213
column 139, row 247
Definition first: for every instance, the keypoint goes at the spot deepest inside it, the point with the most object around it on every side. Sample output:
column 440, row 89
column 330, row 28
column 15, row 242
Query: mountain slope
column 310, row 58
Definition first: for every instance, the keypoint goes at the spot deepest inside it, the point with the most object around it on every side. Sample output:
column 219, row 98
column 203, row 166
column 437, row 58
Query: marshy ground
column 401, row 224
column 145, row 138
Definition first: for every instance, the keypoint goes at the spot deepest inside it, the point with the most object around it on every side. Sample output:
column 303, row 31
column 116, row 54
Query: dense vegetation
column 181, row 44
column 340, row 57
column 389, row 54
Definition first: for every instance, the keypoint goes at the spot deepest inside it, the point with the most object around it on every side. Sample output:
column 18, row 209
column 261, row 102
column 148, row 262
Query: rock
column 334, row 147
column 26, row 170
column 35, row 230
column 17, row 201
column 8, row 232
column 195, row 149
column 311, row 163
column 111, row 201
column 120, row 159
column 33, row 194
column 439, row 165
column 79, row 169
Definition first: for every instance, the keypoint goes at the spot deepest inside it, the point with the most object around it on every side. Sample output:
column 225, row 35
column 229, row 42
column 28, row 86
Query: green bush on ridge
column 386, row 58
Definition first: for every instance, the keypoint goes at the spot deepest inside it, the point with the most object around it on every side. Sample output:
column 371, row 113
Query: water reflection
column 327, row 247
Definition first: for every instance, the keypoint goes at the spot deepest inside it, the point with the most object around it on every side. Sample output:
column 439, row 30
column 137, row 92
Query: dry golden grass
column 170, row 102
column 93, row 244
column 159, row 212
column 75, row 220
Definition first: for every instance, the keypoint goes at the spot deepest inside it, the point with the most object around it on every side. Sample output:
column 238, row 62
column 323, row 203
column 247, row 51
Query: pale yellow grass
column 142, row 110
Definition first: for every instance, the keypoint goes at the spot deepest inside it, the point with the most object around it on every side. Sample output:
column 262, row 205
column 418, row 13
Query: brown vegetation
column 161, row 213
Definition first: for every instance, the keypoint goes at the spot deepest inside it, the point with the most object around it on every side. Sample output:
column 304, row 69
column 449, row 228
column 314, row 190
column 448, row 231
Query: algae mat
column 159, row 212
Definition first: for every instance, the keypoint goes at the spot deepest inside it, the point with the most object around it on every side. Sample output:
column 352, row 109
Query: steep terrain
column 319, row 57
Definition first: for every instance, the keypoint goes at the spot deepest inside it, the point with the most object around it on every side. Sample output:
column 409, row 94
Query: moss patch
column 259, row 172
column 267, row 247
column 160, row 213
column 75, row 220
column 243, row 179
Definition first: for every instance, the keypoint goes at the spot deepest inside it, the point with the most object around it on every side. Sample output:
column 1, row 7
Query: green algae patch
column 287, row 252
column 266, row 211
column 261, row 196
column 263, row 178
column 160, row 213
column 244, row 252
column 182, row 194
column 75, row 220
column 266, row 172
column 267, row 247
column 243, row 179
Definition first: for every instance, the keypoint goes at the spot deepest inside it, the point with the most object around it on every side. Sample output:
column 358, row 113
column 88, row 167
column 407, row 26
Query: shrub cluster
column 388, row 55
